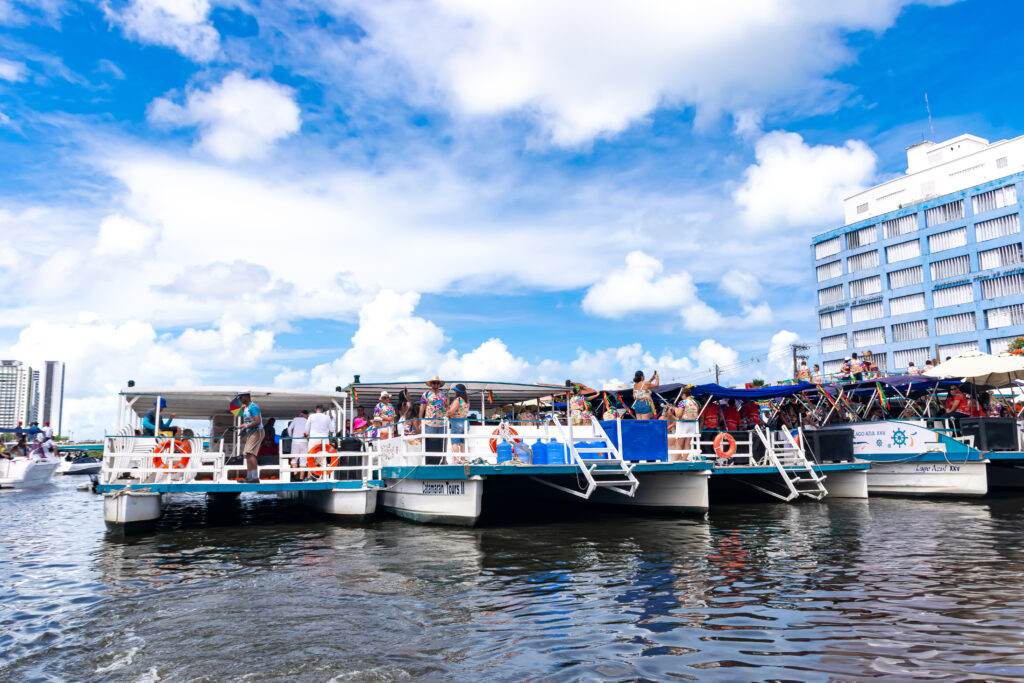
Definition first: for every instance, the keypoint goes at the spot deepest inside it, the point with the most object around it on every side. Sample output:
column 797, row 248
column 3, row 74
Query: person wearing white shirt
column 297, row 433
column 318, row 427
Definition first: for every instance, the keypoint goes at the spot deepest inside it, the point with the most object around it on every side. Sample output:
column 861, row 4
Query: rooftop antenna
column 928, row 109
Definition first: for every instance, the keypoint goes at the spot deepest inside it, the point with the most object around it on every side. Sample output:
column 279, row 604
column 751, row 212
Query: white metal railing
column 163, row 459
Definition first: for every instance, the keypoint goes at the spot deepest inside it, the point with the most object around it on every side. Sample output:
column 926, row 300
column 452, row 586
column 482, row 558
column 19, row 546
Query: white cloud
column 637, row 288
column 796, row 184
column 490, row 359
column 780, row 356
column 239, row 118
column 743, row 285
column 593, row 67
column 183, row 25
column 120, row 236
column 12, row 71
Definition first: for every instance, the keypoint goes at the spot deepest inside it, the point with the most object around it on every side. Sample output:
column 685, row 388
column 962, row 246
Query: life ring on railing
column 497, row 432
column 332, row 462
column 180, row 446
column 730, row 450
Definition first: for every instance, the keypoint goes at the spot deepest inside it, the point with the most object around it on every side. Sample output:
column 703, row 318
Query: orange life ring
column 332, row 462
column 494, row 442
column 730, row 449
column 180, row 446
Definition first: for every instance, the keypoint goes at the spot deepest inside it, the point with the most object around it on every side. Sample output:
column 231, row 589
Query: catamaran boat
column 916, row 456
column 27, row 472
column 139, row 473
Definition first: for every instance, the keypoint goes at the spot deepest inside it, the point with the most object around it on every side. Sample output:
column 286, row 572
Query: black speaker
column 991, row 433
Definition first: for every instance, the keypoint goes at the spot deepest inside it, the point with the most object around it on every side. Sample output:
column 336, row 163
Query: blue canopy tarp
column 718, row 391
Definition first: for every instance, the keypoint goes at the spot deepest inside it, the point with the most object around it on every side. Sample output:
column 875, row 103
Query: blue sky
column 290, row 193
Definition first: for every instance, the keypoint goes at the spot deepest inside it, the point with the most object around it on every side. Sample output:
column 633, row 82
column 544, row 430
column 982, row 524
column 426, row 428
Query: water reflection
column 265, row 589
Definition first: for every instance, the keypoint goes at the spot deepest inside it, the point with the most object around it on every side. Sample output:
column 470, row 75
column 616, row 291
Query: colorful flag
column 490, row 396
column 236, row 407
column 881, row 396
column 355, row 396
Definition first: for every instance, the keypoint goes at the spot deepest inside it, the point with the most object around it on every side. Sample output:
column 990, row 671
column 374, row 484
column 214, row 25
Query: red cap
column 47, row 423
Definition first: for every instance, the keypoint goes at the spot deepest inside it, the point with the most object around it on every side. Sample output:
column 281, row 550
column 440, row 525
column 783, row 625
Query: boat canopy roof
column 504, row 393
column 202, row 403
column 718, row 391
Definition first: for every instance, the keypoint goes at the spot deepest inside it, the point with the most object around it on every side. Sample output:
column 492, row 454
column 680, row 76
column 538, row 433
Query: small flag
column 490, row 396
column 355, row 396
column 881, row 396
column 235, row 407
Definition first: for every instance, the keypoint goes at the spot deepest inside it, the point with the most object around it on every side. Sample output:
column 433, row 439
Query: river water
column 843, row 590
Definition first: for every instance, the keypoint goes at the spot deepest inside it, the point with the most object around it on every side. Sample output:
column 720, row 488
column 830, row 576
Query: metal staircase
column 608, row 472
column 788, row 457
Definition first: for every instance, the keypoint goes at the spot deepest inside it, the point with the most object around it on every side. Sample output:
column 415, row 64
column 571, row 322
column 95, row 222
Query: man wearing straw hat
column 433, row 405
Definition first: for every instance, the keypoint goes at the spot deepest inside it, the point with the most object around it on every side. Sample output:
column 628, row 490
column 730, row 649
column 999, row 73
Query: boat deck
column 504, row 469
column 1003, row 455
column 233, row 487
column 738, row 470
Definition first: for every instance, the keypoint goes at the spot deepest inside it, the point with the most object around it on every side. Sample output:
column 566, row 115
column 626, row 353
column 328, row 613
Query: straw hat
column 435, row 380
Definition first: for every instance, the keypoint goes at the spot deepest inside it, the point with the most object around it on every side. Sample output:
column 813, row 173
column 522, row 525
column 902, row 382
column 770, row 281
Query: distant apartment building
column 928, row 264
column 27, row 394
column 51, row 395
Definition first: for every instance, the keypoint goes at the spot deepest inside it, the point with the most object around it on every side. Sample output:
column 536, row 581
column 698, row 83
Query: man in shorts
column 251, row 432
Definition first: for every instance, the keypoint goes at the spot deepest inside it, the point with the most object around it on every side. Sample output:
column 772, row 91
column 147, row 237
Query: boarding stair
column 600, row 462
column 786, row 454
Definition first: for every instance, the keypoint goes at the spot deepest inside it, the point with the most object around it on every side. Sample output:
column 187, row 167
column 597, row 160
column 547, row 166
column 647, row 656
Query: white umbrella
column 981, row 368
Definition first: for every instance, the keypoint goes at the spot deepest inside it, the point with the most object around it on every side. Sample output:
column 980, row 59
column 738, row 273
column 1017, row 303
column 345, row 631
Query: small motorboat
column 79, row 463
column 27, row 472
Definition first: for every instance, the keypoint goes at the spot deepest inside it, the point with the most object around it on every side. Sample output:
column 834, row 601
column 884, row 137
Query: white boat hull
column 846, row 483
column 121, row 509
column 343, row 502
column 927, row 479
column 68, row 467
column 26, row 473
column 436, row 501
column 681, row 492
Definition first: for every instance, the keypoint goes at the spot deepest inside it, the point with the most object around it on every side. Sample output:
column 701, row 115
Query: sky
column 290, row 193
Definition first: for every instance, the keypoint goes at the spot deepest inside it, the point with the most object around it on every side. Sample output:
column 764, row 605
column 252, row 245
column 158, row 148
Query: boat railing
column 167, row 459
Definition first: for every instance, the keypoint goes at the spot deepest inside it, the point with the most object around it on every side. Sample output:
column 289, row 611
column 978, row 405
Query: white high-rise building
column 17, row 394
column 51, row 394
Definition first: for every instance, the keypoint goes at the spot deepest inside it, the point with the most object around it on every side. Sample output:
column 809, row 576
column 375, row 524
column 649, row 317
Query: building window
column 1000, row 256
column 826, row 248
column 874, row 336
column 917, row 329
column 956, row 324
column 951, row 267
column 951, row 239
column 1001, row 162
column 997, row 227
column 830, row 295
column 997, row 287
column 954, row 350
column 832, row 367
column 995, row 199
column 951, row 296
column 1000, row 344
column 862, row 208
column 966, row 171
column 868, row 259
column 869, row 285
column 906, row 277
column 862, row 238
column 903, row 359
column 1004, row 316
column 830, row 270
column 836, row 342
column 832, row 319
column 880, row 360
column 900, row 226
column 945, row 213
column 866, row 312
column 934, row 157
column 903, row 251
column 906, row 304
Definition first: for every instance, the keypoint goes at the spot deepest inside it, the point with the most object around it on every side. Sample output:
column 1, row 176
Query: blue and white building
column 929, row 264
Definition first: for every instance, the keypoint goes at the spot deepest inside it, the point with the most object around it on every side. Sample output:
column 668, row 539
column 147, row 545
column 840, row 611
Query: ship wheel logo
column 899, row 437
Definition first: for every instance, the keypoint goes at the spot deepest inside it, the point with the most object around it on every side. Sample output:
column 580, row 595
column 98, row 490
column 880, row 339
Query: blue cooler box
column 641, row 439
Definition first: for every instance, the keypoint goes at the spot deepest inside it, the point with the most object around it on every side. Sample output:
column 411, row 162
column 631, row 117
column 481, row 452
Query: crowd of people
column 32, row 442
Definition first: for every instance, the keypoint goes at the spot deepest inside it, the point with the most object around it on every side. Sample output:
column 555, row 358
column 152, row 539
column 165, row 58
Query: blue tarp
column 761, row 394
